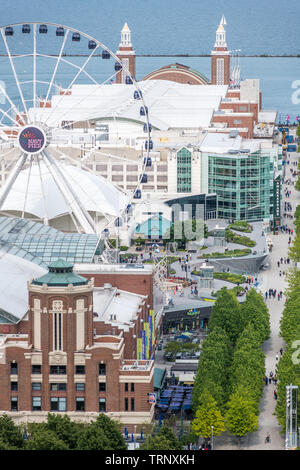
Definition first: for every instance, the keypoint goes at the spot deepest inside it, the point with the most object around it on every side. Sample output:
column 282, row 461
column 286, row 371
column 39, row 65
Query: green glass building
column 242, row 184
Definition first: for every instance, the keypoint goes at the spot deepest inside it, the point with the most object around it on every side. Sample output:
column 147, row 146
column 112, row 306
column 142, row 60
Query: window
column 102, row 404
column 126, row 404
column 102, row 387
column 14, row 368
column 36, row 369
column 132, row 404
column 58, row 404
column 58, row 370
column 79, row 369
column 36, row 386
column 14, row 386
column 102, row 369
column 80, row 387
column 132, row 387
column 36, row 403
column 58, row 387
column 14, row 404
column 80, row 404
column 126, row 387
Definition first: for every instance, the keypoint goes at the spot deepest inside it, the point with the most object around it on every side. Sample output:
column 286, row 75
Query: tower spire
column 125, row 36
column 126, row 54
column 221, row 34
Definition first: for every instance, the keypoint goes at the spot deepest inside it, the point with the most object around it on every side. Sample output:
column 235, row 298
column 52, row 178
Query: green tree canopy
column 240, row 418
column 112, row 431
column 93, row 437
column 66, row 430
column 288, row 371
column 10, row 435
column 255, row 312
column 226, row 314
column 44, row 439
column 165, row 439
column 213, row 368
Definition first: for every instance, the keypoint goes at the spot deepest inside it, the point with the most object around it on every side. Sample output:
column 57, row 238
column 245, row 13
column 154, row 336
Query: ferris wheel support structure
column 50, row 122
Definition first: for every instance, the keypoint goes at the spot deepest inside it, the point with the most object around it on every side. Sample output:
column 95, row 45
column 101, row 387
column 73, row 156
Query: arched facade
column 178, row 73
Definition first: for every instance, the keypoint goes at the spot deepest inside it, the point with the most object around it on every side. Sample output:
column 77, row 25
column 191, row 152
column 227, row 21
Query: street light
column 212, row 438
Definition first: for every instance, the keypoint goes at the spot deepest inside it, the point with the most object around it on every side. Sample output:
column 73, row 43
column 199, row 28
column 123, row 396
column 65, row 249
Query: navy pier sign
column 32, row 139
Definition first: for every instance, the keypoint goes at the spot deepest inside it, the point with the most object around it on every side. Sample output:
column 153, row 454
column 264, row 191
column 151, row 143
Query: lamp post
column 212, row 438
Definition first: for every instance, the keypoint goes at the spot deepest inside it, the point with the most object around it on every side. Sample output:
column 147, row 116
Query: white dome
column 14, row 274
column 95, row 193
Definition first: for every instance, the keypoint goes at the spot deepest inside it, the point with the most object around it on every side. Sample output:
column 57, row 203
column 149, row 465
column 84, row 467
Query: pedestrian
column 278, row 296
column 276, row 357
column 279, row 273
column 281, row 351
column 275, row 394
column 270, row 380
column 266, row 380
column 266, row 295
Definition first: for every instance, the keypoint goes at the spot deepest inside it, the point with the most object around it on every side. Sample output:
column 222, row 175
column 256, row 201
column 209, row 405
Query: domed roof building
column 178, row 73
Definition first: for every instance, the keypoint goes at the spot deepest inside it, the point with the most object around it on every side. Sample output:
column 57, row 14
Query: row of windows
column 58, row 404
column 37, row 369
column 61, row 387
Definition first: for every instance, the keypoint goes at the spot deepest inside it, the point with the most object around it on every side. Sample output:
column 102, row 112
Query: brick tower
column 220, row 57
column 126, row 54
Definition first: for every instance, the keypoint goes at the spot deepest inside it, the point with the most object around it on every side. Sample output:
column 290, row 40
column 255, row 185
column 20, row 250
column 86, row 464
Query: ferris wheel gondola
column 33, row 118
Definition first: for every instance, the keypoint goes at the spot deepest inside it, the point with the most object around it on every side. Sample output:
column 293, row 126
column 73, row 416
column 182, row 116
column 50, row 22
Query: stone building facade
column 65, row 359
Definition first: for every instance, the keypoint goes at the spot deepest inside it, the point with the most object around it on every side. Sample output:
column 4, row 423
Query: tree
column 290, row 320
column 213, row 368
column 93, row 438
column 255, row 312
column 157, row 443
column 240, row 419
column 294, row 250
column 44, row 439
column 10, row 434
column 65, row 429
column 226, row 314
column 288, row 372
column 183, row 231
column 165, row 439
column 112, row 431
column 208, row 415
column 172, row 347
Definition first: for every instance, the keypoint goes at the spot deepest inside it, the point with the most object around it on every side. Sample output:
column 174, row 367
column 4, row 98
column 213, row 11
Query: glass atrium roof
column 42, row 244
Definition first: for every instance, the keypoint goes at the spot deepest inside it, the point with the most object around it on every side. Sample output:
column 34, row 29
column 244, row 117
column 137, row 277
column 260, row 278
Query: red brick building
column 75, row 352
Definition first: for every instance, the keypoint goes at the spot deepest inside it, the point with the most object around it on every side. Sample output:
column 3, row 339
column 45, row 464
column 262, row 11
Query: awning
column 159, row 377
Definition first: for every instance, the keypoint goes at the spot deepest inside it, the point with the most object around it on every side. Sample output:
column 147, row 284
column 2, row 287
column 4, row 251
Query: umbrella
column 132, row 438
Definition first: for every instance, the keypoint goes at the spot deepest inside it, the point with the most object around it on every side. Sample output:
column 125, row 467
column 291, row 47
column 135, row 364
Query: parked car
column 159, row 347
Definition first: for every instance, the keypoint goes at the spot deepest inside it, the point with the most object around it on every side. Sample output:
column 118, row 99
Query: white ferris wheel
column 57, row 88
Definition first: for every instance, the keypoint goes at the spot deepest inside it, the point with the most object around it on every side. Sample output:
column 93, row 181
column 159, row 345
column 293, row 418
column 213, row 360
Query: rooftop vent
column 233, row 134
column 107, row 286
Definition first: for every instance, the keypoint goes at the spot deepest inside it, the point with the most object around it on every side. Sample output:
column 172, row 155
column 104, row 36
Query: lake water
column 173, row 27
